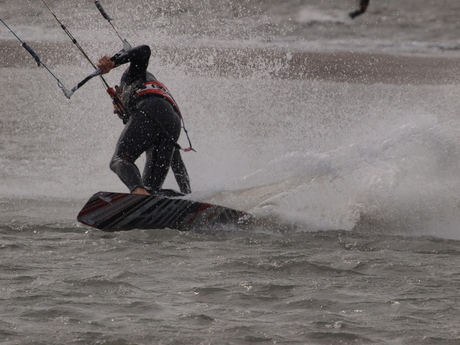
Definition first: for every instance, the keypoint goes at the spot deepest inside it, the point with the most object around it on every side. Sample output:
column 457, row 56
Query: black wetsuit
column 153, row 127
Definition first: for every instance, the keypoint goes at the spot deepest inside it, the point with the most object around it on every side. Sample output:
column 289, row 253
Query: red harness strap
column 160, row 89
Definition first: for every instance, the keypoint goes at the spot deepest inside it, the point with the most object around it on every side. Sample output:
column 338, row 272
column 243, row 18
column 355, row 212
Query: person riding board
column 362, row 8
column 152, row 125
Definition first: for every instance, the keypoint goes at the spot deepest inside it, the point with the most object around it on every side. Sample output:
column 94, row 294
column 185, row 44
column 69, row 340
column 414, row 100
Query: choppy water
column 355, row 181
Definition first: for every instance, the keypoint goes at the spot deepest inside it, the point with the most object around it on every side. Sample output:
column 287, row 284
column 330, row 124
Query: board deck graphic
column 109, row 211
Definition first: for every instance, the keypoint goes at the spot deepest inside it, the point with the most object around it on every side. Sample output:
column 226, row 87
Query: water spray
column 66, row 91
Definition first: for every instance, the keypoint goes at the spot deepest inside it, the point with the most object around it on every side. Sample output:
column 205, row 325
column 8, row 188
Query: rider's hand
column 105, row 64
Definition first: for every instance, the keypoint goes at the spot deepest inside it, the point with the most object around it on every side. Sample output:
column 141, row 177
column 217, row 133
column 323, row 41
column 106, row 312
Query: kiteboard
column 111, row 212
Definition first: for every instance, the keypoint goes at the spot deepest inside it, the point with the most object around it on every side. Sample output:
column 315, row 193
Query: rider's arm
column 138, row 56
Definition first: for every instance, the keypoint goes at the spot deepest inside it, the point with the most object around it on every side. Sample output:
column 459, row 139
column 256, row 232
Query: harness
column 158, row 88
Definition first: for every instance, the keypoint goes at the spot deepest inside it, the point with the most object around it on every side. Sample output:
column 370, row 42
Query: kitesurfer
column 153, row 126
column 362, row 8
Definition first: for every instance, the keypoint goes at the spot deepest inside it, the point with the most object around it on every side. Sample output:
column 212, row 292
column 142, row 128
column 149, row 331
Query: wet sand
column 363, row 68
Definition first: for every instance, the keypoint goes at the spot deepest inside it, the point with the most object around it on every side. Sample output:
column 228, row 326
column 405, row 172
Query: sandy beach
column 363, row 68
